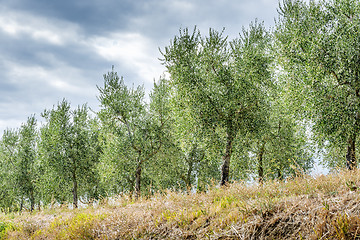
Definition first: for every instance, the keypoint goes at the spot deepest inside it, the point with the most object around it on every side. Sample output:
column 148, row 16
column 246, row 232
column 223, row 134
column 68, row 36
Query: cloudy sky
column 53, row 49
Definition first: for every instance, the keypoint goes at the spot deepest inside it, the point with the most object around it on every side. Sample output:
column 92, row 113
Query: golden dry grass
column 326, row 207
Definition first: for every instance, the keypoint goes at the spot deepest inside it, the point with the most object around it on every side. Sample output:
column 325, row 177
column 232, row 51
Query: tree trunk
column 188, row 177
column 75, row 190
column 32, row 200
column 138, row 181
column 351, row 161
column 260, row 163
column 280, row 176
column 225, row 169
column 279, row 169
column 21, row 204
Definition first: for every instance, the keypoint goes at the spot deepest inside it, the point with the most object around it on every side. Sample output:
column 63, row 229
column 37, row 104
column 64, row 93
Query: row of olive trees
column 231, row 110
column 133, row 146
column 44, row 165
column 73, row 156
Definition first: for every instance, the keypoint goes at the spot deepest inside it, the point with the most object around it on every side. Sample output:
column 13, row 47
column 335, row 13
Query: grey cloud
column 162, row 19
column 6, row 89
column 95, row 16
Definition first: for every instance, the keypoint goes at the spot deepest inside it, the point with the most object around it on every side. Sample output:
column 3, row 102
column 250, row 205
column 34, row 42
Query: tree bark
column 351, row 161
column 188, row 177
column 32, row 200
column 138, row 181
column 280, row 176
column 260, row 163
column 75, row 190
column 21, row 204
column 225, row 169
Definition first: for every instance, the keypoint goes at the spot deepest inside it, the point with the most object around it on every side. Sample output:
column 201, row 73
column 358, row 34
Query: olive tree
column 27, row 169
column 69, row 152
column 223, row 83
column 319, row 52
column 136, row 127
column 10, row 199
column 19, row 169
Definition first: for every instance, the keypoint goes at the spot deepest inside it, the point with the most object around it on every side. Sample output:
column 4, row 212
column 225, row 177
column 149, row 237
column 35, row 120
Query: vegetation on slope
column 255, row 107
column 326, row 207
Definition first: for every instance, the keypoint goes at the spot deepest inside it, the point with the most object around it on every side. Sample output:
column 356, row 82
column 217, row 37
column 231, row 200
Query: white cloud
column 63, row 78
column 132, row 50
column 18, row 24
column 9, row 124
column 38, row 88
column 180, row 6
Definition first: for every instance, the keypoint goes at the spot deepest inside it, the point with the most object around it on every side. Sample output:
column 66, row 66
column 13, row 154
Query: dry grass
column 326, row 207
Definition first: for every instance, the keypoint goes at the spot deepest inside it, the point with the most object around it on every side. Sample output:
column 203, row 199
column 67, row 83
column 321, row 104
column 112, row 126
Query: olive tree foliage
column 19, row 168
column 223, row 83
column 196, row 166
column 27, row 177
column 136, row 129
column 319, row 50
column 280, row 149
column 10, row 198
column 169, row 168
column 283, row 150
column 69, row 153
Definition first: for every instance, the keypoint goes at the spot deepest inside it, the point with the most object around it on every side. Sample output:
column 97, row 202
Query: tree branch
column 11, row 154
column 245, row 108
column 203, row 92
column 335, row 75
column 155, row 151
column 131, row 136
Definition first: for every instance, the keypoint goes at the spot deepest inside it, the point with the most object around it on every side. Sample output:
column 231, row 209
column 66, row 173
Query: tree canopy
column 222, row 82
column 140, row 126
column 319, row 50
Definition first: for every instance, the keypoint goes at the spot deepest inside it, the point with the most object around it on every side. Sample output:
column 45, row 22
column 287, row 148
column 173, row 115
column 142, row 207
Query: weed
column 351, row 185
column 5, row 227
column 341, row 225
column 326, row 205
column 77, row 227
column 225, row 201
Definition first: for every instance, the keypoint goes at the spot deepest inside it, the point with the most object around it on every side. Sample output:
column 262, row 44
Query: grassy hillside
column 327, row 207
